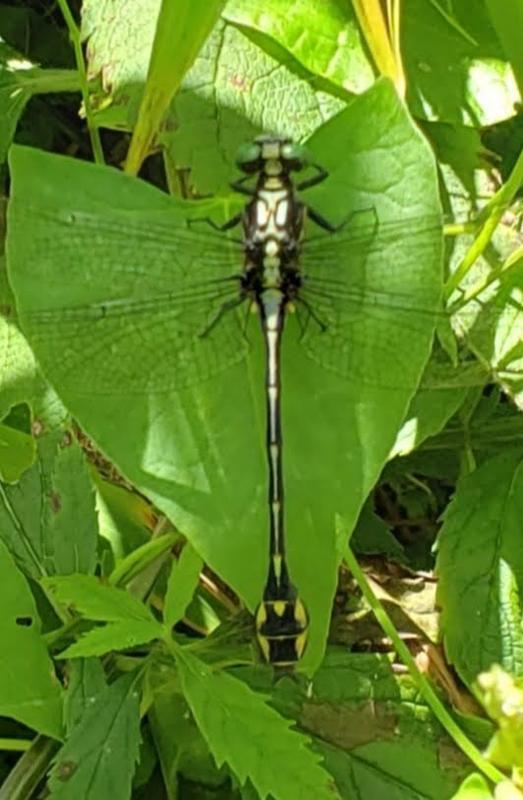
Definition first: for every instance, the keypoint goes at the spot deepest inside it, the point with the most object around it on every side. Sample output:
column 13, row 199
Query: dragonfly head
column 271, row 154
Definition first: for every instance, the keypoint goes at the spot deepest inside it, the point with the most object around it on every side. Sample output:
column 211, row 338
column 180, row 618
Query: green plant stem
column 29, row 771
column 74, row 35
column 495, row 209
column 53, row 638
column 15, row 745
column 141, row 558
column 43, row 81
column 426, row 690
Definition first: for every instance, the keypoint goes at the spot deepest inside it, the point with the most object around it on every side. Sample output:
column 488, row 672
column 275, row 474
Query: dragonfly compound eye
column 294, row 155
column 249, row 157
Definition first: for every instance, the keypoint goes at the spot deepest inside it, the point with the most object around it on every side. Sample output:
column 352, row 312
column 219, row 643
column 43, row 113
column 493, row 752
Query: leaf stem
column 376, row 30
column 43, row 81
column 425, row 689
column 15, row 745
column 74, row 35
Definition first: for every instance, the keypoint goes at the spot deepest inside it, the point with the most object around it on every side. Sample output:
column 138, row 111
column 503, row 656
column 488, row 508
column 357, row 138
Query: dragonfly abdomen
column 281, row 618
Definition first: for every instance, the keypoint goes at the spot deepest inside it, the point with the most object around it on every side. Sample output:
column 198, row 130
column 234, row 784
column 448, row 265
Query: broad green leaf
column 114, row 636
column 99, row 758
column 329, row 45
column 244, row 732
column 85, row 681
column 235, row 90
column 17, row 453
column 402, row 768
column 96, row 601
column 72, row 526
column 183, row 580
column 47, row 519
column 474, row 787
column 181, row 29
column 225, row 98
column 120, row 35
column 363, row 718
column 29, row 690
column 480, row 566
column 456, row 69
column 199, row 451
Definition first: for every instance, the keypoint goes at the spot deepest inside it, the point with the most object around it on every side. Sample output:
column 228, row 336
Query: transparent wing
column 119, row 305
column 371, row 297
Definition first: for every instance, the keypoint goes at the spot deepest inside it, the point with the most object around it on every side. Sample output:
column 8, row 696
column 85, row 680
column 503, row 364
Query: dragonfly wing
column 123, row 304
column 371, row 299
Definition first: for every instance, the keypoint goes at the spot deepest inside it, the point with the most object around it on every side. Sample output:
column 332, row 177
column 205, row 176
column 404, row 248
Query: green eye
column 294, row 152
column 248, row 153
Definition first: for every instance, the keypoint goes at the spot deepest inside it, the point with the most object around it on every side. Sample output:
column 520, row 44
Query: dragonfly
column 285, row 264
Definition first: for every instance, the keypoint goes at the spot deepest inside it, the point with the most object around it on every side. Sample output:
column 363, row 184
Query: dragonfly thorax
column 272, row 224
column 272, row 211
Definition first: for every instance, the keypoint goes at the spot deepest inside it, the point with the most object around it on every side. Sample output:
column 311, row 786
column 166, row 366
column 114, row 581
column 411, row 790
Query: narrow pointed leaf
column 113, row 636
column 183, row 580
column 98, row 760
column 96, row 601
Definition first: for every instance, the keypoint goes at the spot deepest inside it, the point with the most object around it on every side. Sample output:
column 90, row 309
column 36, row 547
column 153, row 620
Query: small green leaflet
column 183, row 580
column 85, row 681
column 130, row 621
column 114, row 636
column 96, row 601
column 256, row 742
column 48, row 518
column 17, row 453
column 98, row 760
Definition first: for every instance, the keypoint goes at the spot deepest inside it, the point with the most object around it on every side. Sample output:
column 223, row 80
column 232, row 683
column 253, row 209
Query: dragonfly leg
column 321, row 222
column 314, row 180
column 223, row 309
column 239, row 186
column 248, row 314
column 311, row 314
column 225, row 226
